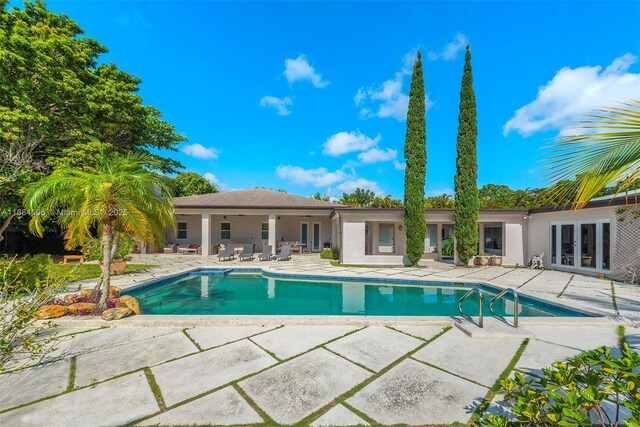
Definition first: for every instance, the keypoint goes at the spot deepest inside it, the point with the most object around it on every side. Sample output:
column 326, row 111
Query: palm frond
column 605, row 150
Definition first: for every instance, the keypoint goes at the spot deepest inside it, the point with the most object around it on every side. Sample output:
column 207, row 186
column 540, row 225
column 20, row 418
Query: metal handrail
column 516, row 307
column 481, row 301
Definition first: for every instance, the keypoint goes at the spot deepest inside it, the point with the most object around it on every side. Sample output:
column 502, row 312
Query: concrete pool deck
column 146, row 370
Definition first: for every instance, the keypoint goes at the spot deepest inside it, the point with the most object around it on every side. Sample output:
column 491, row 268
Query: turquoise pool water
column 255, row 294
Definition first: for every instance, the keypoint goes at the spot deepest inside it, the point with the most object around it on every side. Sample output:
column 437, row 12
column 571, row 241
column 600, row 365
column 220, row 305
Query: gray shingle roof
column 252, row 199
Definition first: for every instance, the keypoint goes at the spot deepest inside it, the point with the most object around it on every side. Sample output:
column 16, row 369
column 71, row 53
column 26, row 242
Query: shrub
column 333, row 253
column 447, row 246
column 22, row 292
column 25, row 273
column 92, row 249
column 575, row 392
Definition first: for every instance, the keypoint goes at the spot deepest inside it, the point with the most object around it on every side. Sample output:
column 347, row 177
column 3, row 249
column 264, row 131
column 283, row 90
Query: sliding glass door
column 581, row 245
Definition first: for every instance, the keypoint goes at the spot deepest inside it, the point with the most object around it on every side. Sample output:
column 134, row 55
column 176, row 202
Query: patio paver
column 25, row 386
column 204, row 371
column 213, row 337
column 292, row 340
column 413, row 393
column 339, row 416
column 112, row 403
column 478, row 359
column 424, row 332
column 374, row 347
column 98, row 366
column 223, row 407
column 299, row 387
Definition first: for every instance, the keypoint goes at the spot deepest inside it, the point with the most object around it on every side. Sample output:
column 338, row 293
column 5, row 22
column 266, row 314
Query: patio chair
column 266, row 253
column 285, row 253
column 171, row 248
column 227, row 253
column 536, row 261
column 247, row 252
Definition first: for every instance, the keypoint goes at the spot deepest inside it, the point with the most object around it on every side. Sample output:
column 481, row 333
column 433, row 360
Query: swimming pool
column 250, row 292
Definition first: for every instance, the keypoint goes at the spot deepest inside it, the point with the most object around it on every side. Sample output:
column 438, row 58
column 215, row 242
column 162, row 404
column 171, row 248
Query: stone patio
column 149, row 372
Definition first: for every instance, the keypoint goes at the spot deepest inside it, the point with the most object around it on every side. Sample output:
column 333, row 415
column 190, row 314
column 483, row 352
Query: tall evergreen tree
column 467, row 202
column 415, row 153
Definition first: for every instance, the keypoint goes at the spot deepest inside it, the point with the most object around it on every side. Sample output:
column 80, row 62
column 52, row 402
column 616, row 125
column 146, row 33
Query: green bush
column 575, row 392
column 92, row 249
column 333, row 253
column 447, row 246
column 25, row 273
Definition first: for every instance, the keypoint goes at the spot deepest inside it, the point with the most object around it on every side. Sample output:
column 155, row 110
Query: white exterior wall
column 355, row 248
column 194, row 230
column 247, row 228
column 539, row 229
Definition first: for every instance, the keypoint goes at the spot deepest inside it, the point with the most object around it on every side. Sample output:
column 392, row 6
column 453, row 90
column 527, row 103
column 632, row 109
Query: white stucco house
column 584, row 241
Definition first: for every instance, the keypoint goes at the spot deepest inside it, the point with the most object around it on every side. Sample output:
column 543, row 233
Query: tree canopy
column 362, row 198
column 190, row 183
column 56, row 98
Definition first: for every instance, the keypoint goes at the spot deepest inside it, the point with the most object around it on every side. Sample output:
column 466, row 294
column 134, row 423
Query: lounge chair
column 285, row 253
column 247, row 252
column 228, row 253
column 266, row 253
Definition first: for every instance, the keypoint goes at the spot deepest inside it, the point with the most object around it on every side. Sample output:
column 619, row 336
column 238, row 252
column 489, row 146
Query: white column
column 272, row 233
column 206, row 234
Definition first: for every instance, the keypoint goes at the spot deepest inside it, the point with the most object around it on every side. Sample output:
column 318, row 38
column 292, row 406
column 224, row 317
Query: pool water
column 255, row 294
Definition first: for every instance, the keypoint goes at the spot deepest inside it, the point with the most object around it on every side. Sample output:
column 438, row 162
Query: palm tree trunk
column 107, row 239
column 5, row 225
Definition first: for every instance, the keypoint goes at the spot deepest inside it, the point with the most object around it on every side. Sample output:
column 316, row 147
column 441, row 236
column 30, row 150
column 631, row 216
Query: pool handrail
column 475, row 289
column 516, row 307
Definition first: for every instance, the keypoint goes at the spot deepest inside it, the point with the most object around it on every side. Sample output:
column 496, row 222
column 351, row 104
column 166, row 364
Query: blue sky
column 311, row 96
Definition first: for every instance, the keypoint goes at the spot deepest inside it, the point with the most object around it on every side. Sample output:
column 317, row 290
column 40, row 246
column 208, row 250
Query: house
column 591, row 240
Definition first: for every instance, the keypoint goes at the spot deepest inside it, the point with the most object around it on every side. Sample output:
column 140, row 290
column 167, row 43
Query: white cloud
column 350, row 186
column 576, row 91
column 299, row 69
column 374, row 155
column 399, row 165
column 200, row 151
column 214, row 180
column 347, row 142
column 450, row 51
column 318, row 177
column 281, row 105
column 388, row 100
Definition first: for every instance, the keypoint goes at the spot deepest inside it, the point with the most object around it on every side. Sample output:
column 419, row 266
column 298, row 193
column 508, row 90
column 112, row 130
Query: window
column 493, row 240
column 385, row 238
column 225, row 230
column 265, row 231
column 182, row 230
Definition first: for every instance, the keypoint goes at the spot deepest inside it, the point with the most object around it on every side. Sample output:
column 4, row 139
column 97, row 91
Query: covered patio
column 255, row 217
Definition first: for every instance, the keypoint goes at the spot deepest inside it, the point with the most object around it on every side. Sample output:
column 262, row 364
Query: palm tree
column 119, row 196
column 605, row 151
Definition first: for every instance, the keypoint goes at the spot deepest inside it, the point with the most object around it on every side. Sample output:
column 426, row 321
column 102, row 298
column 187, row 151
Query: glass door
column 315, row 237
column 581, row 245
column 567, row 245
column 588, row 257
column 304, row 234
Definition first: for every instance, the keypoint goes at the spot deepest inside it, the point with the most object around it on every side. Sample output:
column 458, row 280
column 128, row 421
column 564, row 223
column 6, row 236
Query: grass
column 91, row 271
column 495, row 389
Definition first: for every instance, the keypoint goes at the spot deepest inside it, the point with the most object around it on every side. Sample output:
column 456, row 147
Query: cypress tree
column 467, row 202
column 415, row 153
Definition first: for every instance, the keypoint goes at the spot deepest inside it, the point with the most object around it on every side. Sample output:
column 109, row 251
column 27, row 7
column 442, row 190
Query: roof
column 630, row 197
column 258, row 198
